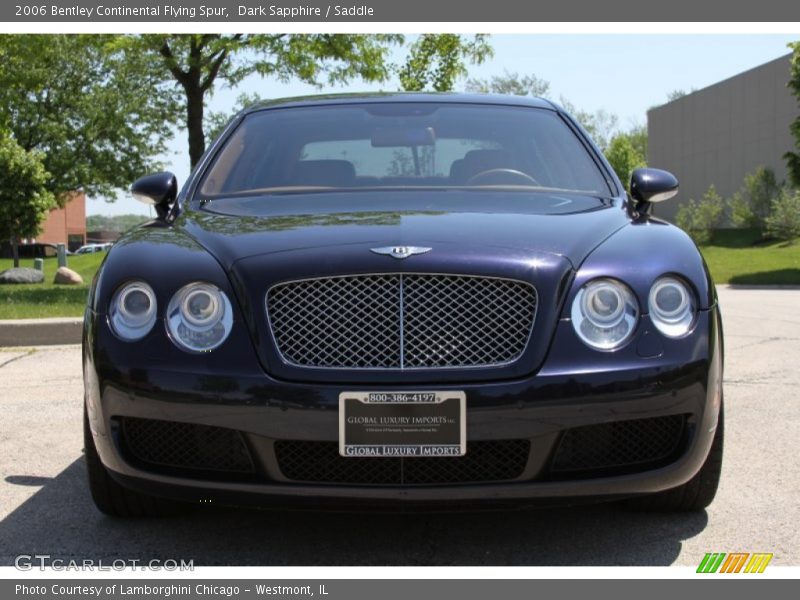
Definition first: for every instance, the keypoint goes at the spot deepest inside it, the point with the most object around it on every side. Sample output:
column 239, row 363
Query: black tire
column 115, row 500
column 697, row 493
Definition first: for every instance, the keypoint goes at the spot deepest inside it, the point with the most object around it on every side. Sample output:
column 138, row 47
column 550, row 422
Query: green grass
column 38, row 300
column 737, row 256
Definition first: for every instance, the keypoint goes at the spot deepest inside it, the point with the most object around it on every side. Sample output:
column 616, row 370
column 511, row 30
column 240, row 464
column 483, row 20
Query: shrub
column 752, row 204
column 700, row 219
column 624, row 156
column 741, row 213
column 784, row 221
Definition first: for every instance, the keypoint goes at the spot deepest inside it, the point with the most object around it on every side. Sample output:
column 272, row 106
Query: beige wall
column 720, row 133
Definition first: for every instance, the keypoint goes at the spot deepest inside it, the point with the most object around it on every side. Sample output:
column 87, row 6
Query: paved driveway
column 45, row 508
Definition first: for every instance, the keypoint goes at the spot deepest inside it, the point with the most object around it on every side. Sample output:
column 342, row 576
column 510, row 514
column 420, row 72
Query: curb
column 41, row 332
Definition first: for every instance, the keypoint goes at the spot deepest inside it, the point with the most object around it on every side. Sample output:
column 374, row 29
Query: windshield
column 402, row 145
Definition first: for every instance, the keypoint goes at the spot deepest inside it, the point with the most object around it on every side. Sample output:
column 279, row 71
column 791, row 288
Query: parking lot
column 45, row 507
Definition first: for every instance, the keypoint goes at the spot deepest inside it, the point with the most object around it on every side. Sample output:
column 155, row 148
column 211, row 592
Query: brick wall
column 63, row 224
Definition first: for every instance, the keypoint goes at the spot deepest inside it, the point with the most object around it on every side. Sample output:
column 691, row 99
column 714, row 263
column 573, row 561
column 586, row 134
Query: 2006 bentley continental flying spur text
column 403, row 300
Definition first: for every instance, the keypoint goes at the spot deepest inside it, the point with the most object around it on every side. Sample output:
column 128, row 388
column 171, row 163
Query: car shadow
column 789, row 277
column 60, row 520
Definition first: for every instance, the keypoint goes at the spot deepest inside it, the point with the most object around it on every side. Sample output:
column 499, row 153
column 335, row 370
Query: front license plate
column 402, row 424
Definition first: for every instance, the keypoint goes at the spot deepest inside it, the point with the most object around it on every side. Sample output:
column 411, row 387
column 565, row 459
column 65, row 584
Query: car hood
column 563, row 224
column 536, row 238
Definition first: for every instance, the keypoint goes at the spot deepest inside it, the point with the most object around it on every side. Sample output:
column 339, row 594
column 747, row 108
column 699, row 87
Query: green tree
column 217, row 120
column 97, row 116
column 25, row 200
column 601, row 125
column 752, row 204
column 436, row 61
column 793, row 158
column 195, row 63
column 678, row 94
column 700, row 219
column 509, row 83
column 624, row 153
column 114, row 222
column 638, row 138
column 783, row 222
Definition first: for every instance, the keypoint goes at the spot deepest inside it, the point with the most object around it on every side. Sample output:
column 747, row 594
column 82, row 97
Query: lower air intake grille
column 320, row 462
column 160, row 444
column 620, row 445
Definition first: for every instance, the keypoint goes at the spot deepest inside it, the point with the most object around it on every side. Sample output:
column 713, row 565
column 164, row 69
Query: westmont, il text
column 167, row 590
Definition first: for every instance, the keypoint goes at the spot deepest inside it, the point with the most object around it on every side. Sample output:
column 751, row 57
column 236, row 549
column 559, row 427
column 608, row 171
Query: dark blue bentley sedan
column 403, row 300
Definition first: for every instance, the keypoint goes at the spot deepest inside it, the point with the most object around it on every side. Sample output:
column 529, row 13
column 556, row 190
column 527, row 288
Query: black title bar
column 439, row 11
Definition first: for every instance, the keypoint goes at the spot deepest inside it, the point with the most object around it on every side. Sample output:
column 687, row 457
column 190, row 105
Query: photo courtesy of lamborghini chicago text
column 345, row 300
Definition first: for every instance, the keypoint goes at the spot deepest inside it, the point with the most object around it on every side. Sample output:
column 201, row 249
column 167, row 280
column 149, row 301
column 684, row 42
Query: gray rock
column 67, row 276
column 21, row 275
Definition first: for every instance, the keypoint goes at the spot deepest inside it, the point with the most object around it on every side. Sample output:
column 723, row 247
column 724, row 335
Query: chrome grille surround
column 401, row 321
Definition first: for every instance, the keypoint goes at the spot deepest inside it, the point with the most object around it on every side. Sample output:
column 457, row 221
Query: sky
column 623, row 74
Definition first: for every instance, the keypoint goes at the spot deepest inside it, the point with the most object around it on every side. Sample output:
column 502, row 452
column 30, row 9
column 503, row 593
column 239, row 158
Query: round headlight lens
column 199, row 317
column 202, row 307
column 133, row 311
column 604, row 313
column 672, row 307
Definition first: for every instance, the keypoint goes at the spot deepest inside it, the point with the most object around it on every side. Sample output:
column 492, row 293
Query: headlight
column 199, row 317
column 133, row 311
column 604, row 313
column 672, row 307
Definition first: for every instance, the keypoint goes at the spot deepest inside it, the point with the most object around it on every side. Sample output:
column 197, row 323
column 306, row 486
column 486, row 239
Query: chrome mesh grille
column 338, row 321
column 397, row 321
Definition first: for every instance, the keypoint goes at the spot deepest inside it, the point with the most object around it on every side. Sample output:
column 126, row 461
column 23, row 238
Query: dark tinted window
column 402, row 145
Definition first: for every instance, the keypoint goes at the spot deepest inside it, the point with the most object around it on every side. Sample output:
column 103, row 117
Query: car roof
column 394, row 97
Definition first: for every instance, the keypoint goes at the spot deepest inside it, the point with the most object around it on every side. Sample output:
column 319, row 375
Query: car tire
column 697, row 493
column 115, row 500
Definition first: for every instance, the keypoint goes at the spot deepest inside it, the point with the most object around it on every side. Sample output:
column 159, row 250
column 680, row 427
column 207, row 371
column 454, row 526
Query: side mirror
column 159, row 190
column 652, row 185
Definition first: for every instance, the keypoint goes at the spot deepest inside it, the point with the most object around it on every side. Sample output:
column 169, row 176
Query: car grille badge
column 400, row 251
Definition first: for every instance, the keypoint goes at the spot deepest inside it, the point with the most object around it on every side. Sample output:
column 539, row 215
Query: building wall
column 101, row 236
column 720, row 133
column 66, row 224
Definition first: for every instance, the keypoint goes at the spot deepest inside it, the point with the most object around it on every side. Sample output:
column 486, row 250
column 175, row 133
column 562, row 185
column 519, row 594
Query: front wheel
column 112, row 498
column 697, row 493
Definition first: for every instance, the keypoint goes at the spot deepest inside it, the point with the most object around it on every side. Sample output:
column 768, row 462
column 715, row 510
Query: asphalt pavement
column 45, row 507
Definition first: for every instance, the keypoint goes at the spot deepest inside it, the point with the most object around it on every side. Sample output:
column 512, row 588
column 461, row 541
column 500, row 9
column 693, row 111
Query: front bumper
column 685, row 379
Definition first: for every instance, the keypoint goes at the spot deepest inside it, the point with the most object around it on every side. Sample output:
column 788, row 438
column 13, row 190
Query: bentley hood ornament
column 400, row 251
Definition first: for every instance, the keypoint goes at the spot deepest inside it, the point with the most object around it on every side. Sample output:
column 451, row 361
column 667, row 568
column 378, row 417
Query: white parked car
column 90, row 248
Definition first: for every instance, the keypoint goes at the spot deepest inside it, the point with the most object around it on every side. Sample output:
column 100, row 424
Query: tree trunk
column 194, row 124
column 15, row 251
